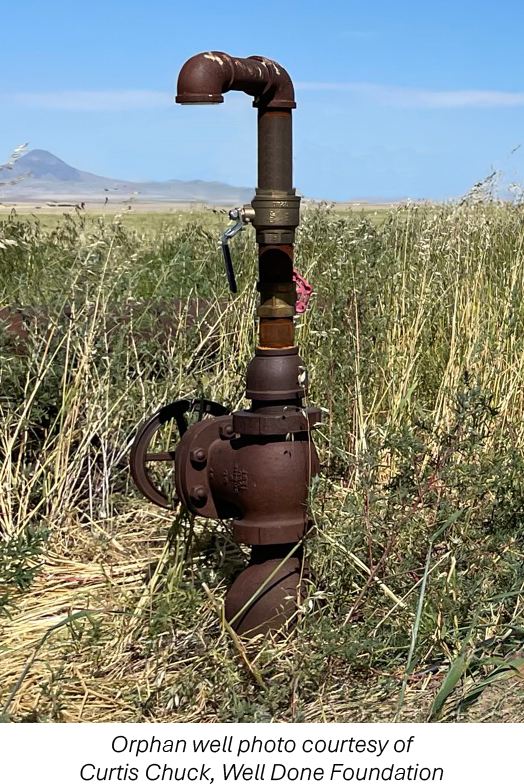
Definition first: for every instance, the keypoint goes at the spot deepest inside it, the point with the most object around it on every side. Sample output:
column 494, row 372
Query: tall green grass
column 414, row 340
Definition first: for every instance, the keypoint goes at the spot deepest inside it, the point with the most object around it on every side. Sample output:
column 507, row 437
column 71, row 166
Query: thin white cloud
column 413, row 97
column 108, row 100
column 398, row 97
column 97, row 100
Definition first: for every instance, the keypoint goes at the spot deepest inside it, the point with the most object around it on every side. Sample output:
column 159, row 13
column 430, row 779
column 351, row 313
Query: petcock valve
column 241, row 216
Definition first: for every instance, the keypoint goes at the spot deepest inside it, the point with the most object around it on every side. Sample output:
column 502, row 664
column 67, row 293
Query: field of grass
column 127, row 215
column 414, row 340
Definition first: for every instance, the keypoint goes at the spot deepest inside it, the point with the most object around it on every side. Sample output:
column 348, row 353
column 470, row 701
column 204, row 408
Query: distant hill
column 48, row 178
column 42, row 165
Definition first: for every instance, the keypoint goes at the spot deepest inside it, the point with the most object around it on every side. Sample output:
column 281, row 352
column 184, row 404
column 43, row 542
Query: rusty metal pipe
column 205, row 77
column 275, row 149
column 273, row 516
column 275, row 265
column 256, row 465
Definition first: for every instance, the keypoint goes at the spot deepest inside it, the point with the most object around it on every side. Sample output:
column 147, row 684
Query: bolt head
column 227, row 431
column 198, row 494
column 198, row 456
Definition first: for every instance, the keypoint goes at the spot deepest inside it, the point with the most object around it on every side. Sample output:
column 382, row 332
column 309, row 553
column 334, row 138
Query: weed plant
column 414, row 340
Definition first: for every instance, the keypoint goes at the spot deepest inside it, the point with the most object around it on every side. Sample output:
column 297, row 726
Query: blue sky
column 418, row 99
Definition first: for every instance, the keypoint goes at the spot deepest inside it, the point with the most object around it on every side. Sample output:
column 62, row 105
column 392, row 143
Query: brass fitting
column 276, row 216
column 277, row 300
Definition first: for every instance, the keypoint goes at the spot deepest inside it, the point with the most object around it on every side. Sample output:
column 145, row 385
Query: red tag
column 304, row 290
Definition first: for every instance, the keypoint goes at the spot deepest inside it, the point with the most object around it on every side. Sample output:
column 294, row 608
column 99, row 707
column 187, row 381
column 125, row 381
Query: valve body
column 255, row 466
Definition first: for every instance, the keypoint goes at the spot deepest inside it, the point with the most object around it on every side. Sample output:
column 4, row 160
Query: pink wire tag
column 304, row 290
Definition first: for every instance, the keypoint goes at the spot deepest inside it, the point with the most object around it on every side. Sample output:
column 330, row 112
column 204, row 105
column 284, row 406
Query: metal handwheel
column 139, row 456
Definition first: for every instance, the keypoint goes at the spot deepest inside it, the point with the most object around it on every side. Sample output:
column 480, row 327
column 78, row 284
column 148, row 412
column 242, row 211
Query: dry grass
column 415, row 346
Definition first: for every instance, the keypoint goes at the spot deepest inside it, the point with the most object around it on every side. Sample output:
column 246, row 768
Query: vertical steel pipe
column 261, row 464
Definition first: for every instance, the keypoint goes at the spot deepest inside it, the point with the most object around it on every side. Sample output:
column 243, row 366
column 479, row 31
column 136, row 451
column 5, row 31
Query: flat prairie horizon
column 165, row 207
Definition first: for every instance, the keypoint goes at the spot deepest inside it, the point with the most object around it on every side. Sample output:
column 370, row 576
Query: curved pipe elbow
column 205, row 77
column 280, row 93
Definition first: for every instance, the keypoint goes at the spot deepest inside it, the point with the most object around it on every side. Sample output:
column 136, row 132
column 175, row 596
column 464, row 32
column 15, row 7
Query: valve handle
column 139, row 456
column 241, row 215
column 230, row 272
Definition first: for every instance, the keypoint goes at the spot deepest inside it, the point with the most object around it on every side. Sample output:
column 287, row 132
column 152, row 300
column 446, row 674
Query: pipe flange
column 270, row 532
column 140, row 455
column 265, row 351
column 290, row 420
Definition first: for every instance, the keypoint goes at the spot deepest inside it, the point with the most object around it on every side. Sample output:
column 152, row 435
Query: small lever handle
column 230, row 272
column 241, row 215
column 226, row 236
